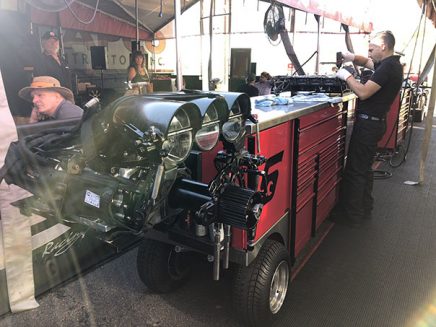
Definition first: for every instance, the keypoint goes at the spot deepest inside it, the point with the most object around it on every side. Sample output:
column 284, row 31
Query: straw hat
column 46, row 83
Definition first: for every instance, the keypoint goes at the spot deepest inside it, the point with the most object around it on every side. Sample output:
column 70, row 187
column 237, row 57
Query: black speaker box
column 98, row 57
column 253, row 68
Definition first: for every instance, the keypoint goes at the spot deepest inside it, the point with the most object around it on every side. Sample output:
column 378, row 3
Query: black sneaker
column 341, row 218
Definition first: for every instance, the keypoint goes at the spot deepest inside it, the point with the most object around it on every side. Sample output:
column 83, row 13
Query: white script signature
column 61, row 247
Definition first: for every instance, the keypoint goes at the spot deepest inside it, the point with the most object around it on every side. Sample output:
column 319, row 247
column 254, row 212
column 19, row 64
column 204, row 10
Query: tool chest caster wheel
column 259, row 290
column 160, row 267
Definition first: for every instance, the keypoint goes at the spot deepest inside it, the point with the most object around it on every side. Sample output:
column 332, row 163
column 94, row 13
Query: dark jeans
column 356, row 191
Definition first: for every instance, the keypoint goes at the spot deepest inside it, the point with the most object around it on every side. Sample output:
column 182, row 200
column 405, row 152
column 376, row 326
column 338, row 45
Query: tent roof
column 349, row 12
column 148, row 11
column 114, row 17
column 430, row 10
column 153, row 16
column 117, row 17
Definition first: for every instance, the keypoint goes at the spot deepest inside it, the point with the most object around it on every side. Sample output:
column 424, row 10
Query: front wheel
column 260, row 289
column 160, row 267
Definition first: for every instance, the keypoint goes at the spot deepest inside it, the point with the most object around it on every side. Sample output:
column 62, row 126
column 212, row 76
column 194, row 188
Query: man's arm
column 363, row 91
column 363, row 61
column 357, row 60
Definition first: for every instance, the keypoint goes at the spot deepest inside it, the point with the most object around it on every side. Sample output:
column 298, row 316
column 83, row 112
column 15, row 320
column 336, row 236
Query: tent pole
column 204, row 53
column 428, row 125
column 318, row 36
column 177, row 13
column 137, row 24
column 209, row 65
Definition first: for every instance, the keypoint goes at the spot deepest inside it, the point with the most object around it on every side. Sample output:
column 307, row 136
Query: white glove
column 348, row 56
column 343, row 74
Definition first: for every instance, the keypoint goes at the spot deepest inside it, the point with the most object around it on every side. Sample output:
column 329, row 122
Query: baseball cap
column 49, row 35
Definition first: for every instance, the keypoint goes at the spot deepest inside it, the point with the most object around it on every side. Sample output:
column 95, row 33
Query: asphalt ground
column 380, row 274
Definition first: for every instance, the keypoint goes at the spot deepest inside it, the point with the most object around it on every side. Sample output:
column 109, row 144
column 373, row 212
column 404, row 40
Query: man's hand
column 33, row 116
column 343, row 74
column 348, row 56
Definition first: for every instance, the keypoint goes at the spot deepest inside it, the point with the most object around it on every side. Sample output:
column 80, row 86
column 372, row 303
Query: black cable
column 381, row 174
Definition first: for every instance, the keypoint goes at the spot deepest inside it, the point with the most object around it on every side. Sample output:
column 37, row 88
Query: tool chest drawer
column 315, row 135
column 315, row 118
column 327, row 202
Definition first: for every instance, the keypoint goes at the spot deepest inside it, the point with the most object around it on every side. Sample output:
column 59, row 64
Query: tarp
column 348, row 12
column 118, row 17
column 114, row 17
column 430, row 9
column 120, row 24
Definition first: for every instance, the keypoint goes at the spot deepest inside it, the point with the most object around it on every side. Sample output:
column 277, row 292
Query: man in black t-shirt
column 375, row 99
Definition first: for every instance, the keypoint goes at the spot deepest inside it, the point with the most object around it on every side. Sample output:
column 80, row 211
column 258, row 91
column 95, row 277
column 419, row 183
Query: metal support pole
column 61, row 37
column 137, row 24
column 428, row 125
column 318, row 36
column 177, row 14
column 209, row 66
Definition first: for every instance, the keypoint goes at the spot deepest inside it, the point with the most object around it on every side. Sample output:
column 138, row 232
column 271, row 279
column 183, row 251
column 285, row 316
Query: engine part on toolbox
column 109, row 173
column 232, row 117
column 112, row 170
column 214, row 112
column 320, row 84
column 123, row 169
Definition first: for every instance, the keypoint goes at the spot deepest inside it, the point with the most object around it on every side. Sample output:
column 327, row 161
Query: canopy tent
column 430, row 9
column 348, row 12
column 118, row 17
column 114, row 17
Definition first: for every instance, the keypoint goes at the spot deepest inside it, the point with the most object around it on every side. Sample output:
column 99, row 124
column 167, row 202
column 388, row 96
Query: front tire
column 260, row 289
column 160, row 267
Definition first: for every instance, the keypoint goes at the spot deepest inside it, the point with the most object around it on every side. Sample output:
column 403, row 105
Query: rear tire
column 160, row 268
column 260, row 289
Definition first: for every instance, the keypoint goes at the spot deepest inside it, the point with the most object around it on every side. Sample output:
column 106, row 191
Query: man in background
column 249, row 88
column 264, row 84
column 50, row 100
column 51, row 63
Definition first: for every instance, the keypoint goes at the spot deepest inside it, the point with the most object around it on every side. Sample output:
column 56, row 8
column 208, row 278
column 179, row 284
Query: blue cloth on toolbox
column 272, row 101
column 314, row 97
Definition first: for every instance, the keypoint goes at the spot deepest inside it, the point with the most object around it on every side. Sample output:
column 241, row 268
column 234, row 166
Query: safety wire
column 77, row 17
column 381, row 174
